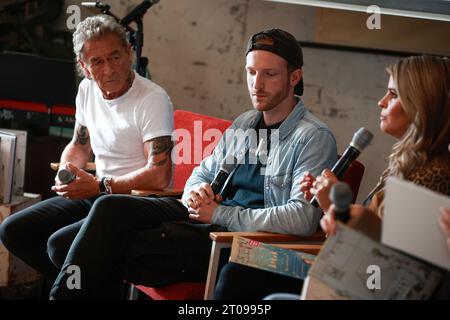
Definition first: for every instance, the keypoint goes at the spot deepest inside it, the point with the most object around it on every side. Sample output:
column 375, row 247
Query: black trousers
column 42, row 234
column 239, row 282
column 109, row 239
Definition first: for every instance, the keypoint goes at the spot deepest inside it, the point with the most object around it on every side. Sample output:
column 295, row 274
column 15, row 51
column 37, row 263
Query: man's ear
column 296, row 76
column 86, row 72
column 130, row 52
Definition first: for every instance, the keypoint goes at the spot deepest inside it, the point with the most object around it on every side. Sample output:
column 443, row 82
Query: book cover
column 7, row 160
column 270, row 258
column 20, row 159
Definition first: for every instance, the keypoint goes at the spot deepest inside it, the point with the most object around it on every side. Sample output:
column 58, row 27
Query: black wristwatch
column 105, row 185
column 101, row 185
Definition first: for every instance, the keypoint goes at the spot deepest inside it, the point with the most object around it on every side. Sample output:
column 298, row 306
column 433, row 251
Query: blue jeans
column 257, row 284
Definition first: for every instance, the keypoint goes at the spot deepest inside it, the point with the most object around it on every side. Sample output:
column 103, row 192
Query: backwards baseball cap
column 281, row 43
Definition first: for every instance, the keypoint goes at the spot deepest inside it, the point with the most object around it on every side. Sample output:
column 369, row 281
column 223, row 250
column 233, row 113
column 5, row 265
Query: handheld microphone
column 89, row 4
column 227, row 166
column 65, row 176
column 361, row 139
column 341, row 196
column 138, row 11
column 97, row 4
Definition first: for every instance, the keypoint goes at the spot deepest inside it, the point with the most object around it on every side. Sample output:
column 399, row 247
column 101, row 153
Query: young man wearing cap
column 281, row 141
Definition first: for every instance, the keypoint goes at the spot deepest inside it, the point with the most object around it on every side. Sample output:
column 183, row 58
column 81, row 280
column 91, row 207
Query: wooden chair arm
column 175, row 193
column 90, row 166
column 227, row 237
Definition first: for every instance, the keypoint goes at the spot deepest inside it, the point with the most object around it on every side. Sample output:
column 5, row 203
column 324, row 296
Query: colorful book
column 270, row 258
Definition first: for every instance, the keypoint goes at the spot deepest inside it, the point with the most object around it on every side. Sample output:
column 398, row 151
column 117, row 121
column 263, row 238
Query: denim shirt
column 304, row 144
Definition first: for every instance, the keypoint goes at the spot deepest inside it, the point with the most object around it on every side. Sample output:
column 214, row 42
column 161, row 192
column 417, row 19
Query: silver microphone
column 65, row 176
column 89, row 4
column 342, row 196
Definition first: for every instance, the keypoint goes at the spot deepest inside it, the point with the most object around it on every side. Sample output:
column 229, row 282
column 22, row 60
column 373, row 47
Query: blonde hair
column 423, row 84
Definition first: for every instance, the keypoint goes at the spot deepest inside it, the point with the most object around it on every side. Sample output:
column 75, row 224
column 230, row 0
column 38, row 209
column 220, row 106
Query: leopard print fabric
column 434, row 175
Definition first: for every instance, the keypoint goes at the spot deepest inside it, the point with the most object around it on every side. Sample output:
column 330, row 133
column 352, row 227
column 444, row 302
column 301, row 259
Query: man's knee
column 108, row 207
column 10, row 231
column 231, row 272
column 57, row 248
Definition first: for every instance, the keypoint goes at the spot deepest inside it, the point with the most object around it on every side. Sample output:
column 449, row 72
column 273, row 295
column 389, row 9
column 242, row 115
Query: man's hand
column 205, row 212
column 202, row 203
column 84, row 186
column 203, row 194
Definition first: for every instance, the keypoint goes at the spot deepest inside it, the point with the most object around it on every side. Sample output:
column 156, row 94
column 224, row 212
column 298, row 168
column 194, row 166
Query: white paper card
column 410, row 222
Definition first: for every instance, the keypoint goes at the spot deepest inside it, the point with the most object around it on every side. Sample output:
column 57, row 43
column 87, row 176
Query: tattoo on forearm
column 82, row 135
column 160, row 163
column 159, row 146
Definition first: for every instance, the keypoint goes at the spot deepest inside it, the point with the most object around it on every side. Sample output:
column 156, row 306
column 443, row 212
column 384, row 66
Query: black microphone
column 227, row 166
column 65, row 176
column 341, row 196
column 140, row 10
column 361, row 139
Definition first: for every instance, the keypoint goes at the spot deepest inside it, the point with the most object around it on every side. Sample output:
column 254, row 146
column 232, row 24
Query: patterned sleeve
column 435, row 175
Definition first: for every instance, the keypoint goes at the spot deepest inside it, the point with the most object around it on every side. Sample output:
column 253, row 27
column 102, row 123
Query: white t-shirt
column 118, row 128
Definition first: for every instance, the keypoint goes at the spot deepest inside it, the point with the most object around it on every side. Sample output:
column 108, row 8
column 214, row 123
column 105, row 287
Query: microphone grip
column 342, row 216
column 219, row 181
column 350, row 155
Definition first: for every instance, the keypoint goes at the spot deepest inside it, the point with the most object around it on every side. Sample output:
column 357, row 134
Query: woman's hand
column 361, row 219
column 306, row 184
column 444, row 222
column 320, row 188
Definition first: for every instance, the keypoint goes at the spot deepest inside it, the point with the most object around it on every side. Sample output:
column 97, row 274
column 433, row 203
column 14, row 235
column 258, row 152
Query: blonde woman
column 416, row 111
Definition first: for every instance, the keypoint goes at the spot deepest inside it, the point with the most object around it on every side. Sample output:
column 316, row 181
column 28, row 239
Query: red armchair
column 198, row 134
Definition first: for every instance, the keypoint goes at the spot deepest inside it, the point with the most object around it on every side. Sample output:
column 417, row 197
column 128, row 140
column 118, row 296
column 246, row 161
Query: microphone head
column 65, row 176
column 361, row 139
column 228, row 164
column 341, row 195
column 89, row 4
